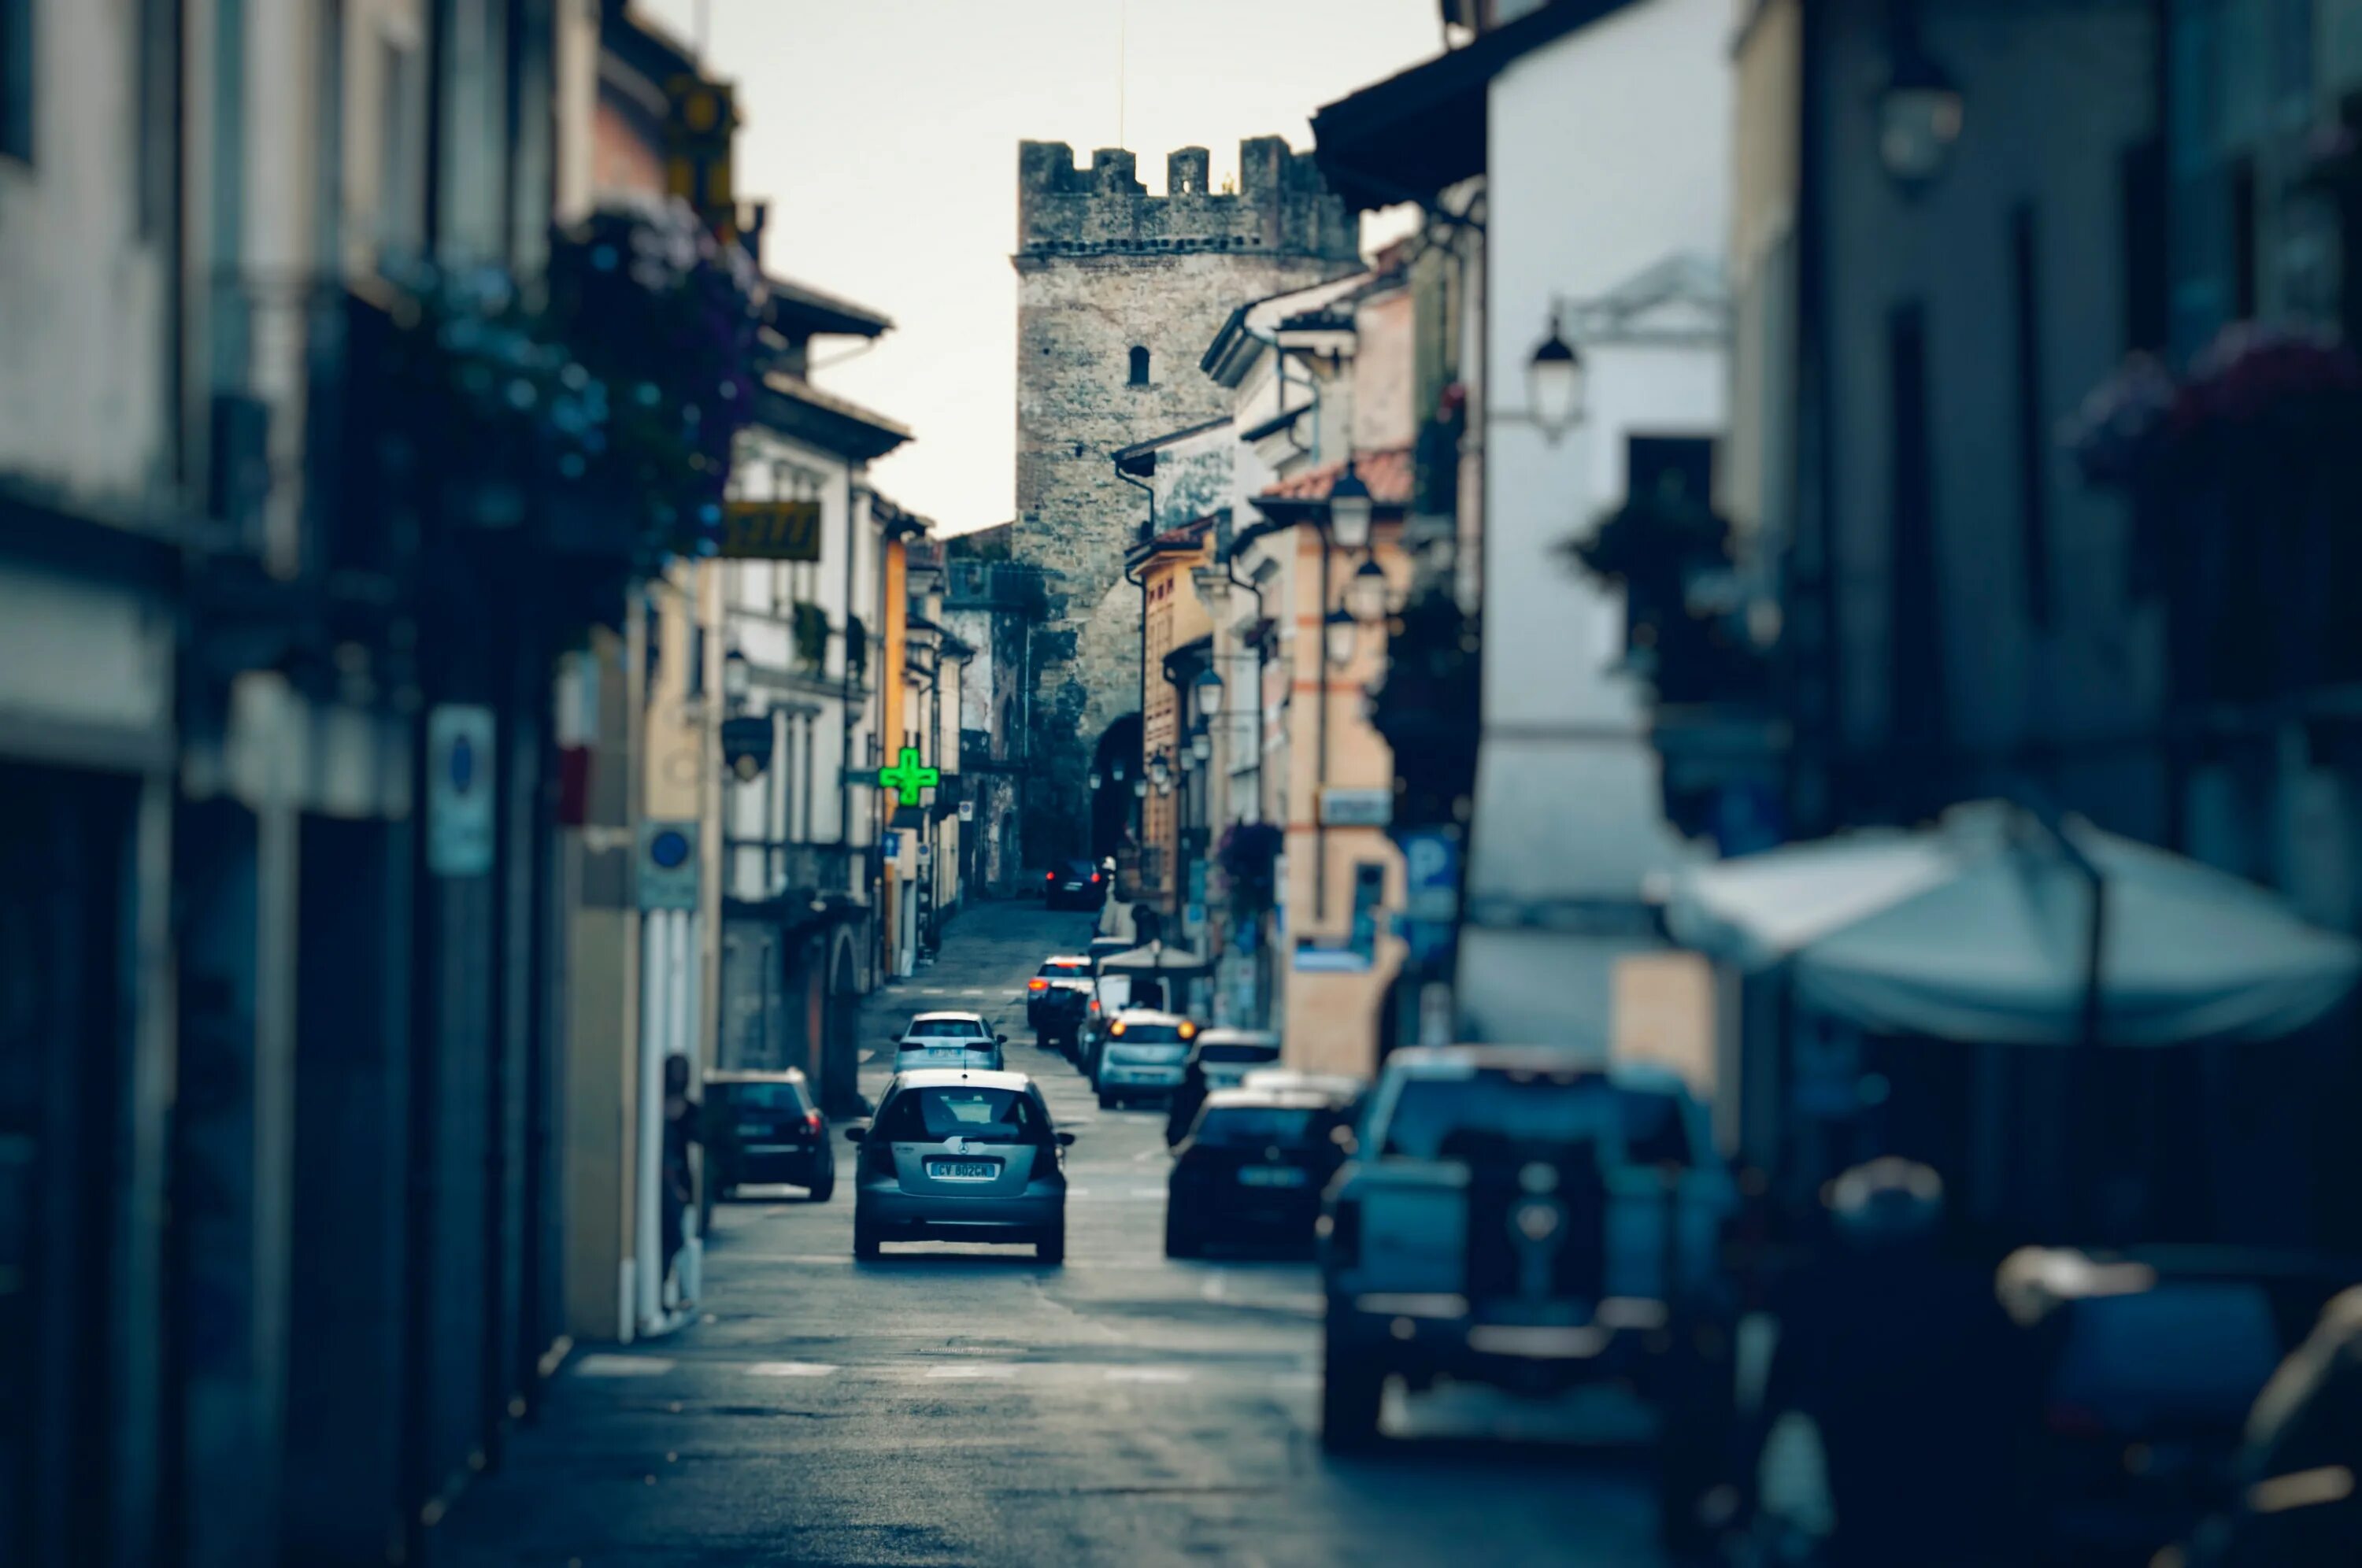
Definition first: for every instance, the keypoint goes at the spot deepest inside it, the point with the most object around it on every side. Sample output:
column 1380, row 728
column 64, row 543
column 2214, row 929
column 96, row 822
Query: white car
column 948, row 1040
column 1143, row 1056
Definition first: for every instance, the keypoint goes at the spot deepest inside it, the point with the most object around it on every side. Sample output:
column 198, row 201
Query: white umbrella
column 1979, row 930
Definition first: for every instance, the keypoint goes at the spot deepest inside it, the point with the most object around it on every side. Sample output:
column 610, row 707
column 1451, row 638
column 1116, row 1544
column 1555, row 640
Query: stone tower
column 1119, row 295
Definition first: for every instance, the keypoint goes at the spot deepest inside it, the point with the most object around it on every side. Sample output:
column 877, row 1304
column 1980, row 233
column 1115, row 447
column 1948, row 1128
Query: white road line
column 1149, row 1192
column 789, row 1369
column 623, row 1367
column 1213, row 1288
column 973, row 991
column 994, row 1369
column 1147, row 1374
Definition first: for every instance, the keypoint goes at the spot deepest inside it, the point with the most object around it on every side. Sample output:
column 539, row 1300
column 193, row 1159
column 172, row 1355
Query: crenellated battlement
column 1282, row 206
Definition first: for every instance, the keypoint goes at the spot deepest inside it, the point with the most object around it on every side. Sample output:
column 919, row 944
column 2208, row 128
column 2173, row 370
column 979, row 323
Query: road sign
column 667, row 865
column 967, row 811
column 909, row 776
column 770, row 531
column 747, row 745
column 460, row 793
column 1357, row 808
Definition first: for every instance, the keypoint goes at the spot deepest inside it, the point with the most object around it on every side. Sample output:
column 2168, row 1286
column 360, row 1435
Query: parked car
column 1514, row 1219
column 1112, row 992
column 1142, row 1056
column 954, row 1155
column 1073, row 885
column 1349, row 1092
column 1251, row 1168
column 2150, row 1361
column 1055, row 999
column 1219, row 1059
column 949, row 1040
column 765, row 1127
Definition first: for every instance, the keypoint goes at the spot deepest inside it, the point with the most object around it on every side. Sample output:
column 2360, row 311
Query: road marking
column 789, row 1369
column 1147, row 1374
column 996, row 1370
column 623, row 1367
column 1149, row 1192
column 1213, row 1288
column 973, row 991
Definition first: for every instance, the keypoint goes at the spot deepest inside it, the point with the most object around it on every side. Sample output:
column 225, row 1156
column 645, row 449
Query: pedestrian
column 1909, row 1369
column 680, row 1130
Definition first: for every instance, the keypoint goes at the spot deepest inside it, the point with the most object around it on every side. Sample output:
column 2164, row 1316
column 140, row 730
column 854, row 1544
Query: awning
column 1156, row 959
column 1976, row 929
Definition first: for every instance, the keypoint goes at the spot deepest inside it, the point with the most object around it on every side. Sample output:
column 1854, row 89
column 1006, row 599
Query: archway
column 1116, row 760
column 841, row 1067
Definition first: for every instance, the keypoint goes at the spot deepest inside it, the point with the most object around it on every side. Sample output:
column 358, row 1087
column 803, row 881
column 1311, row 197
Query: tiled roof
column 1388, row 473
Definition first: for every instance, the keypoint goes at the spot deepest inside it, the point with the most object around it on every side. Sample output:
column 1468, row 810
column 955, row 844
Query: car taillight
column 1037, row 985
column 1049, row 875
column 2073, row 1421
column 1118, row 1029
column 812, row 1123
column 1188, row 1032
column 1095, row 1004
column 1095, row 875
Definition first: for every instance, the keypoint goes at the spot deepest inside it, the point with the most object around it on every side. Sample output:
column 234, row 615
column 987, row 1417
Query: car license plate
column 1270, row 1175
column 963, row 1170
column 754, row 1128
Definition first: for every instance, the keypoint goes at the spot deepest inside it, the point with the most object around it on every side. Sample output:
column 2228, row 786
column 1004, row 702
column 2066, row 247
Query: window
column 16, row 79
column 1139, row 366
column 1147, row 1034
column 783, row 1096
column 946, row 1029
column 987, row 1115
column 1238, row 1053
column 1279, row 1125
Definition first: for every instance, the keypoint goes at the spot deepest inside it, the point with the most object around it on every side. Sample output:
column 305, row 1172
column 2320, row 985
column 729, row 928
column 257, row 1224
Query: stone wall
column 1104, row 269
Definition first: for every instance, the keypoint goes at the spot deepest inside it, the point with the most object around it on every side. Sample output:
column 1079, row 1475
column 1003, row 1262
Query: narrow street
column 964, row 1405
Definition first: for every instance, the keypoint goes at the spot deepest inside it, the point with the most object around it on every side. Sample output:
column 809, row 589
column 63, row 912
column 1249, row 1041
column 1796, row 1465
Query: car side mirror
column 853, row 1134
column 1001, row 1039
column 1065, row 1140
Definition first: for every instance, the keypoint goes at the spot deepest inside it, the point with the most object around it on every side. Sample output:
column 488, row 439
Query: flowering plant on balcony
column 1249, row 855
column 2252, row 380
column 618, row 385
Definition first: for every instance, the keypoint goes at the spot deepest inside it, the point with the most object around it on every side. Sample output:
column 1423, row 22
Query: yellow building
column 1176, row 634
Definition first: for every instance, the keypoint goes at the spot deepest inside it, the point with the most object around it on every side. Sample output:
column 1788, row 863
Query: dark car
column 1219, row 1060
column 1073, row 885
column 765, row 1127
column 1252, row 1170
column 1055, row 999
column 2150, row 1362
column 2297, row 1500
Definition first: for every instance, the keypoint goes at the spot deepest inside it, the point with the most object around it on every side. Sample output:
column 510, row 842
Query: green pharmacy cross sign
column 909, row 776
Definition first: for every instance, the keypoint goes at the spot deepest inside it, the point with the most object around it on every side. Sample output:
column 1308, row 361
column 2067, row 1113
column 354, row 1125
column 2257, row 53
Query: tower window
column 1139, row 366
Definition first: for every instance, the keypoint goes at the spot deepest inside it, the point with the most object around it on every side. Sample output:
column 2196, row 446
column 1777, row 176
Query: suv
column 1511, row 1217
column 762, row 1127
column 1142, row 1056
column 1055, row 999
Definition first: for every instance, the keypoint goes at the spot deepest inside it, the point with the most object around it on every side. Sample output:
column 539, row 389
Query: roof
column 1286, row 1097
column 1421, row 130
column 931, row 1017
column 794, row 406
column 1387, row 470
column 798, row 310
column 1564, row 1061
column 1131, row 1015
column 1237, row 1037
column 975, row 1078
column 1129, row 458
column 1244, row 335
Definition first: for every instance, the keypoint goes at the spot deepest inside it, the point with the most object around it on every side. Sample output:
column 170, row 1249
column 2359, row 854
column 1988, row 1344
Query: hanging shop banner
column 770, row 531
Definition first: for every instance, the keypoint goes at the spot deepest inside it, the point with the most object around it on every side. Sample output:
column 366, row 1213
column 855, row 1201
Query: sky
column 884, row 133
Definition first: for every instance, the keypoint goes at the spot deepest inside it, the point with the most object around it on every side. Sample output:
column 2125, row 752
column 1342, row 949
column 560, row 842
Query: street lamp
column 1189, row 757
column 1160, row 772
column 1140, row 788
column 1095, row 778
column 737, row 675
column 1366, row 592
column 1350, row 509
column 1201, row 743
column 1920, row 114
column 1339, row 634
column 1208, row 688
column 1555, row 384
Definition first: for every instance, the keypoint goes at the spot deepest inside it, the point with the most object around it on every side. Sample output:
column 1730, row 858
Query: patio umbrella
column 1980, row 929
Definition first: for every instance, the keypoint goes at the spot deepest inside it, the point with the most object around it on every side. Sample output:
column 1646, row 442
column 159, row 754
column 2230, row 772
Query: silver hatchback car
column 957, row 1154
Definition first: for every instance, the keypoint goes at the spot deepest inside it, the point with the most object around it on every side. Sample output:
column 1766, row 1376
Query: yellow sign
column 771, row 531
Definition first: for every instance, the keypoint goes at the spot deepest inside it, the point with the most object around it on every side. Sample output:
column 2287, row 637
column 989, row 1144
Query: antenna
column 1123, row 63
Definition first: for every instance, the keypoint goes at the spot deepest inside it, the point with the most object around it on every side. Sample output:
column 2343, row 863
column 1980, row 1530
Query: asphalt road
column 965, row 1406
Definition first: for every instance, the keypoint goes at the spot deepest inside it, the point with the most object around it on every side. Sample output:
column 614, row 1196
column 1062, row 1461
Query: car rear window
column 1217, row 1052
column 1067, row 969
column 781, row 1096
column 1291, row 1129
column 2199, row 1348
column 946, row 1029
column 1498, row 1107
column 1150, row 1035
column 951, row 1111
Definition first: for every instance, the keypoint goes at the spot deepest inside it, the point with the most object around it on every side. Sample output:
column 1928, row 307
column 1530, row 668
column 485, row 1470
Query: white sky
column 884, row 132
